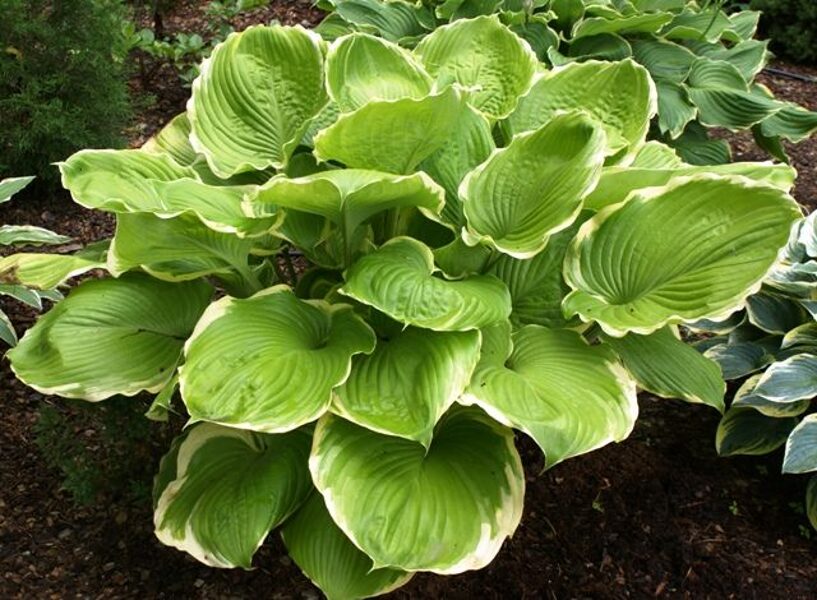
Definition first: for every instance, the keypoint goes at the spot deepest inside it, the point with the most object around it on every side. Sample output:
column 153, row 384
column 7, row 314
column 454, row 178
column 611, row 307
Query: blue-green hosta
column 31, row 278
column 494, row 247
column 773, row 344
column 704, row 60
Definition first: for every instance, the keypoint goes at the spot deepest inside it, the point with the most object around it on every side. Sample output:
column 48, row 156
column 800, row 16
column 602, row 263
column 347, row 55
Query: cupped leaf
column 745, row 431
column 254, row 98
column 330, row 559
column 570, row 397
column 483, row 56
column 667, row 367
column 626, row 276
column 44, row 271
column 110, row 336
column 174, row 139
column 392, row 136
column 269, row 363
column 229, row 488
column 348, row 197
column 534, row 188
column 119, row 180
column 398, row 279
column 410, row 380
column 446, row 510
column 361, row 68
column 620, row 95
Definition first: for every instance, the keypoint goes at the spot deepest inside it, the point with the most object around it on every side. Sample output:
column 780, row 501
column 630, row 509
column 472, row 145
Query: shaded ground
column 657, row 516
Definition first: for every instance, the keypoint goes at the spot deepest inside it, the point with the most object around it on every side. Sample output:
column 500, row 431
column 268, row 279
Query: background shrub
column 63, row 84
column 791, row 25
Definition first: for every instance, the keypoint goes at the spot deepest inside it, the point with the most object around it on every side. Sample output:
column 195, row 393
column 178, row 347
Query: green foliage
column 701, row 56
column 774, row 339
column 101, row 453
column 63, row 82
column 791, row 25
column 462, row 286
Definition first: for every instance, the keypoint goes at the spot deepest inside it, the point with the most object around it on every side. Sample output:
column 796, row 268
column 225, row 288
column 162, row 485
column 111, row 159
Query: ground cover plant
column 773, row 342
column 703, row 59
column 493, row 248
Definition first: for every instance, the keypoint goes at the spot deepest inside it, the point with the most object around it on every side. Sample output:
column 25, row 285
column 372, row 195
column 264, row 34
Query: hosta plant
column 31, row 278
column 493, row 247
column 772, row 345
column 703, row 60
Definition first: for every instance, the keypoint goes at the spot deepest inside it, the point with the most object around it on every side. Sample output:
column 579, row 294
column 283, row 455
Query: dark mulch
column 659, row 515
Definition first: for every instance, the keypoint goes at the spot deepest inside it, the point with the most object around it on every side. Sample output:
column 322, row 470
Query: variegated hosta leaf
column 791, row 122
column 29, row 235
column 446, row 509
column 745, row 431
column 655, row 155
column 110, row 336
column 738, row 359
column 11, row 185
column 534, row 188
column 775, row 313
column 746, row 397
column 802, row 335
column 398, row 279
column 617, row 183
column 646, row 22
column 620, row 95
column 255, row 97
column 570, row 397
column 470, row 144
column 408, row 382
column 667, row 367
column 628, row 277
column 537, row 286
column 790, row 380
column 392, row 136
column 664, row 60
column 44, row 271
column 174, row 139
column 269, row 363
column 348, row 197
column 361, row 68
column 696, row 24
column 330, row 559
column 723, row 98
column 228, row 489
column 675, row 111
column 175, row 249
column 393, row 20
column 160, row 407
column 119, row 180
column 7, row 333
column 811, row 501
column 483, row 56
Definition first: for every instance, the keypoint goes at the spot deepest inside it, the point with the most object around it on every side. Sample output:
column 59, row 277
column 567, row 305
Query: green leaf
column 174, row 139
column 160, row 407
column 791, row 122
column 664, row 60
column 604, row 46
column 410, row 380
column 696, row 148
column 748, row 57
column 270, row 362
column 620, row 95
column 7, row 333
column 348, row 197
column 775, row 313
column 745, row 431
column 110, row 336
column 617, row 183
column 665, row 366
column 330, row 559
column 469, row 145
column 230, row 488
column 811, row 501
column 674, row 108
column 696, row 24
column 483, row 56
column 570, row 397
column 533, row 188
column 638, row 23
column 626, row 276
column 445, row 510
column 361, row 68
column 44, row 271
column 746, row 397
column 254, row 98
column 802, row 335
column 22, row 294
column 398, row 279
column 11, row 185
column 655, row 155
column 537, row 286
column 790, row 380
column 392, row 136
column 739, row 359
column 29, row 235
column 392, row 20
column 176, row 249
column 119, row 180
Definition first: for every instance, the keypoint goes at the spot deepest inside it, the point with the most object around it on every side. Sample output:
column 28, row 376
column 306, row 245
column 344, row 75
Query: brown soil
column 659, row 515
